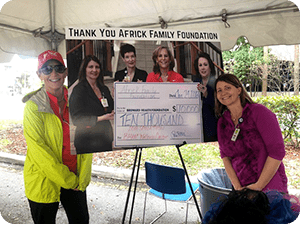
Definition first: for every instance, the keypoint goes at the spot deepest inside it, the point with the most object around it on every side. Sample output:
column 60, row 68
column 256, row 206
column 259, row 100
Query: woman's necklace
column 131, row 74
column 164, row 77
column 235, row 118
column 96, row 91
column 61, row 104
column 204, row 82
column 62, row 98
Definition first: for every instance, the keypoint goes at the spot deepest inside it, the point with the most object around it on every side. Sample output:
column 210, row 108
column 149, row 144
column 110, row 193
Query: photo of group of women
column 94, row 66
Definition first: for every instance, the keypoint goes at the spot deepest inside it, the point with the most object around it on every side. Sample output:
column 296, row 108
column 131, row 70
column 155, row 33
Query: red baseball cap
column 48, row 55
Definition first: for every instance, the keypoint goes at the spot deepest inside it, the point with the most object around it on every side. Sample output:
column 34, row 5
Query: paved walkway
column 106, row 198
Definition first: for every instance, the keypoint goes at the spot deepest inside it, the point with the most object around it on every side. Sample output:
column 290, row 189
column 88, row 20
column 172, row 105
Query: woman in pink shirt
column 163, row 67
column 250, row 139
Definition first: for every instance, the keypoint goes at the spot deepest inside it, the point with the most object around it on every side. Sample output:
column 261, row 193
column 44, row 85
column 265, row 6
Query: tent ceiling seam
column 229, row 16
column 35, row 33
column 6, row 51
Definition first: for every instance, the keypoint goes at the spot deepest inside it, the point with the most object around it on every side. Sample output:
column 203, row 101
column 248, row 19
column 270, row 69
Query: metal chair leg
column 159, row 215
column 187, row 211
column 145, row 202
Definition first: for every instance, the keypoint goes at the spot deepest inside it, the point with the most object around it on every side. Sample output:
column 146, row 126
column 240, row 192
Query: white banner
column 98, row 33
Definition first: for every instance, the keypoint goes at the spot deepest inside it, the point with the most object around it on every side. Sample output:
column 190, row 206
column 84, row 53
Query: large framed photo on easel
column 185, row 46
column 145, row 114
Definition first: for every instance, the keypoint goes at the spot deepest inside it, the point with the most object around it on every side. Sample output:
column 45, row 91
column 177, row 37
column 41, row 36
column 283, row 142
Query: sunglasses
column 48, row 69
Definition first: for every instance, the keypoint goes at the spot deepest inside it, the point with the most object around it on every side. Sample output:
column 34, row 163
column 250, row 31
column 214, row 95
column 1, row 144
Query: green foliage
column 287, row 109
column 239, row 60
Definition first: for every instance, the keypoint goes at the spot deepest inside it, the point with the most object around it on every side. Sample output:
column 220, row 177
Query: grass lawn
column 196, row 156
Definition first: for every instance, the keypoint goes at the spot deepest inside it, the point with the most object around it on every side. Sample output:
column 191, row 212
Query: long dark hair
column 210, row 62
column 83, row 66
column 233, row 80
column 156, row 68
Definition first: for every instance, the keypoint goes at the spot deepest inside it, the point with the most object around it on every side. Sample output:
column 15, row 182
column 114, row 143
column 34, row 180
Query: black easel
column 138, row 155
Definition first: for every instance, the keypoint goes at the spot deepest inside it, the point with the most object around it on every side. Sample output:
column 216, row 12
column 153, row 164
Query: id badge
column 235, row 134
column 104, row 102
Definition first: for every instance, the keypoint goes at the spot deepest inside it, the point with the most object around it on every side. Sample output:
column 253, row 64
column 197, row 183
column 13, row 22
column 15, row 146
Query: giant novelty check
column 157, row 114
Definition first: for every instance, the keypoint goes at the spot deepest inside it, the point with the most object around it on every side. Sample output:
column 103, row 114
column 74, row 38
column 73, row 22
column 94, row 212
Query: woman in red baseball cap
column 51, row 172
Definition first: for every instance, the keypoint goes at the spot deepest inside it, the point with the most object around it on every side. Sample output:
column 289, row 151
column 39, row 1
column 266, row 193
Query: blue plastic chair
column 167, row 183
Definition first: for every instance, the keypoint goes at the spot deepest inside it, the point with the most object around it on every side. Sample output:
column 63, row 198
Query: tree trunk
column 296, row 71
column 265, row 72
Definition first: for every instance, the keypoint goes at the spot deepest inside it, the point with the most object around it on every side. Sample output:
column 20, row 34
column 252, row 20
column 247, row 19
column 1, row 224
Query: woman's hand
column 270, row 168
column 239, row 188
column 202, row 88
column 254, row 186
column 127, row 78
column 108, row 116
column 76, row 189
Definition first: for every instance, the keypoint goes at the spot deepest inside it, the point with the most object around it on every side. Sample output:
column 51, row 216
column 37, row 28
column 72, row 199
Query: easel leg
column 188, row 178
column 136, row 181
column 138, row 155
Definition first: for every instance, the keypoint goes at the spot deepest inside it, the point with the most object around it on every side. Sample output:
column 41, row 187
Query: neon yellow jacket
column 44, row 172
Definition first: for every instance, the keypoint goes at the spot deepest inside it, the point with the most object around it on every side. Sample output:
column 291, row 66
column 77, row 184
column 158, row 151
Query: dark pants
column 74, row 203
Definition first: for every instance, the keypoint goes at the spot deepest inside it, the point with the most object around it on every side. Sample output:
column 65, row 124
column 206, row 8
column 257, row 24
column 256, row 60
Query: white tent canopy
column 32, row 26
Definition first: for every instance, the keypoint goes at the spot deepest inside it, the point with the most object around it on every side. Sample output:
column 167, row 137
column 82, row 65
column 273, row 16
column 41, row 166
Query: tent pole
column 52, row 22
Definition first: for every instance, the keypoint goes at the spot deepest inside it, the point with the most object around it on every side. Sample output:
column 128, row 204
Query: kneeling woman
column 250, row 139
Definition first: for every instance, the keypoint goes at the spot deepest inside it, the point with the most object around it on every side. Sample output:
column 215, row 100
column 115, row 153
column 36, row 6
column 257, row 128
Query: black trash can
column 214, row 185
